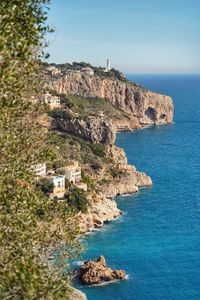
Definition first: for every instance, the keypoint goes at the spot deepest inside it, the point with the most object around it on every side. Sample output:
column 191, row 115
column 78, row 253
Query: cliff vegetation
column 30, row 224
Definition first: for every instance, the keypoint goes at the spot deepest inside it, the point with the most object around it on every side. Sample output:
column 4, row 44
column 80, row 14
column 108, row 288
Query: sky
column 156, row 36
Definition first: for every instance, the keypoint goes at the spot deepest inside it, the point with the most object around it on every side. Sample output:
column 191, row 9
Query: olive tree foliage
column 30, row 224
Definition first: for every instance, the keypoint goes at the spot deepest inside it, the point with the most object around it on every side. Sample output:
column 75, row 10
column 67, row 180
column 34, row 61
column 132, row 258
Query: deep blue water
column 157, row 241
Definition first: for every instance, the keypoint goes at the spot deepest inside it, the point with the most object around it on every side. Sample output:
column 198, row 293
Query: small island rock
column 97, row 272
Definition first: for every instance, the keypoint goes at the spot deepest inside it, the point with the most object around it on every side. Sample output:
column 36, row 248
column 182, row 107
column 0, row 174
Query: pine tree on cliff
column 30, row 224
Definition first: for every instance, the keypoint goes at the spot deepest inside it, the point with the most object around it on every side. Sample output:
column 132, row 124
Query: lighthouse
column 107, row 65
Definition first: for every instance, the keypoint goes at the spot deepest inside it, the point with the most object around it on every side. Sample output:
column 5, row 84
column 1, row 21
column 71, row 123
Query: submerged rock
column 97, row 272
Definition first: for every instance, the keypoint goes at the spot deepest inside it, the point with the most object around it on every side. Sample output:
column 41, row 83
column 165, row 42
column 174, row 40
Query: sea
column 157, row 240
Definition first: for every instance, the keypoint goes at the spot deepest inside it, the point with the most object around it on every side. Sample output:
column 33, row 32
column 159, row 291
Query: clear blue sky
column 137, row 35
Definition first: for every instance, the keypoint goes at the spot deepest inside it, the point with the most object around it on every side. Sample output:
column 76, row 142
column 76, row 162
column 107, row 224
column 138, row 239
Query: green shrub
column 45, row 186
column 64, row 99
column 77, row 200
column 104, row 181
column 86, row 179
column 98, row 149
column 60, row 114
column 114, row 172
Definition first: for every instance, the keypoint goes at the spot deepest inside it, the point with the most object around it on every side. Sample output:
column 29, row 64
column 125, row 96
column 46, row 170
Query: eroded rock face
column 97, row 272
column 147, row 107
column 128, row 181
column 101, row 210
column 95, row 130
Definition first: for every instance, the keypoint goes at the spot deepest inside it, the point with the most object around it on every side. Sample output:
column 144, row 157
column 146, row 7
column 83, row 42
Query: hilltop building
column 53, row 70
column 52, row 101
column 88, row 71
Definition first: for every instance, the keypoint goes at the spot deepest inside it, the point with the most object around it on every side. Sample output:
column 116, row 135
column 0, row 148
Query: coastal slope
column 93, row 109
column 144, row 107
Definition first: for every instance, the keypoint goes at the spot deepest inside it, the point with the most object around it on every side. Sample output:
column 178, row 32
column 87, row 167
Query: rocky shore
column 103, row 206
column 132, row 107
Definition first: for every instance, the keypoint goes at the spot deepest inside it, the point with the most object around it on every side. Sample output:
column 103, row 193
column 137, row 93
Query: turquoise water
column 157, row 241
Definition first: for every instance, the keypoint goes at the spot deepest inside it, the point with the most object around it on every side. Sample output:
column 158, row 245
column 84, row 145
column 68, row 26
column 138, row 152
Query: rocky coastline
column 103, row 206
column 137, row 108
column 134, row 107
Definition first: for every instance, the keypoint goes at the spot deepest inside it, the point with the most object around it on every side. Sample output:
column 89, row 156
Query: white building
column 58, row 186
column 39, row 169
column 88, row 71
column 108, row 67
column 53, row 70
column 52, row 101
column 72, row 172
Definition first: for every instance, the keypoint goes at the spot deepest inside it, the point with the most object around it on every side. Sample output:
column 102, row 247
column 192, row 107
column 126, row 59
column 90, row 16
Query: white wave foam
column 103, row 283
column 79, row 263
column 126, row 195
column 127, row 277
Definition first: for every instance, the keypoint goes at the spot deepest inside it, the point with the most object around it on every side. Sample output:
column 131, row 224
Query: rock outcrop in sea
column 97, row 272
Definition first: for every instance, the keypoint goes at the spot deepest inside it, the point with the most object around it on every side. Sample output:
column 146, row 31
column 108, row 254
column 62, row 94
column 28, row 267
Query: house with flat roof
column 58, row 186
column 52, row 101
column 39, row 169
column 72, row 172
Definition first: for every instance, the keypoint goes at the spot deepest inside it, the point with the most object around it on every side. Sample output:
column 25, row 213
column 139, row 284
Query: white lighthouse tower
column 107, row 66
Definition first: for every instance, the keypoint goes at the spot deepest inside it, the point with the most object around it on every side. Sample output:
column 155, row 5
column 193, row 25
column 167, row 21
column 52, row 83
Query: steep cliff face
column 94, row 130
column 127, row 180
column 147, row 107
column 101, row 210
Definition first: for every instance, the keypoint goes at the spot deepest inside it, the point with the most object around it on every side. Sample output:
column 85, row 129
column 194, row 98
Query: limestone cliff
column 101, row 210
column 134, row 107
column 146, row 107
column 127, row 180
column 94, row 130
